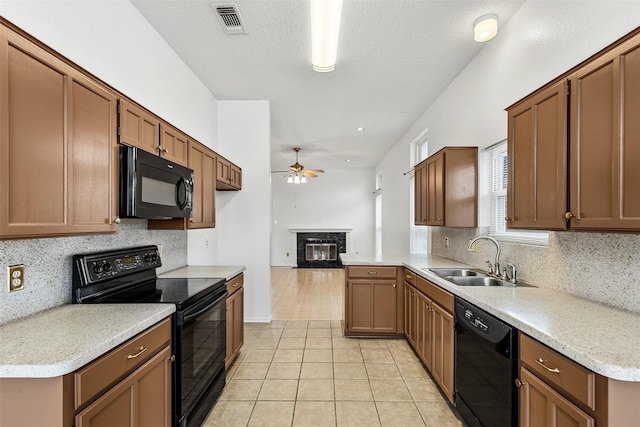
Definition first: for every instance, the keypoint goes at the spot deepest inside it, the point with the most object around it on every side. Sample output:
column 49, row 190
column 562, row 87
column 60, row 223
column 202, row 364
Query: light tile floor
column 305, row 373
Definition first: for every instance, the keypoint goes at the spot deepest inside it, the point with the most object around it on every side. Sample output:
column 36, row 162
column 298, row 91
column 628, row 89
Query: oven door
column 152, row 187
column 200, row 352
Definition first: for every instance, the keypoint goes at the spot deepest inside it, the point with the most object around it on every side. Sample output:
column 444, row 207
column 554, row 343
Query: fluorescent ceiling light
column 485, row 28
column 325, row 30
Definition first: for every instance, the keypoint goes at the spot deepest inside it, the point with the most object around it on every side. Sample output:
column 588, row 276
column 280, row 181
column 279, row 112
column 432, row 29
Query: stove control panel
column 109, row 265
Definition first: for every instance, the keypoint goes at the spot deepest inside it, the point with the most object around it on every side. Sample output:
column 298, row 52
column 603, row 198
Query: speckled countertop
column 601, row 338
column 61, row 340
column 203, row 272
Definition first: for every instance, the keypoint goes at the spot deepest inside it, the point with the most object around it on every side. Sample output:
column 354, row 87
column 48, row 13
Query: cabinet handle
column 117, row 220
column 235, row 284
column 133, row 356
column 165, row 150
column 394, row 285
column 409, row 276
column 506, row 218
column 518, row 383
column 540, row 362
column 373, row 272
column 172, row 358
column 568, row 216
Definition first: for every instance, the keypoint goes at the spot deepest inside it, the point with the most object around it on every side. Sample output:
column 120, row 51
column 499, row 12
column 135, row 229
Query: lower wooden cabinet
column 142, row 399
column 429, row 330
column 541, row 406
column 130, row 386
column 235, row 318
column 374, row 305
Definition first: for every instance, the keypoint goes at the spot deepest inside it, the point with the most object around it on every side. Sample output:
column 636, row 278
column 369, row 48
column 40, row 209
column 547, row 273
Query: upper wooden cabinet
column 138, row 127
column 228, row 175
column 537, row 141
column 595, row 186
column 58, row 152
column 173, row 144
column 446, row 188
column 605, row 141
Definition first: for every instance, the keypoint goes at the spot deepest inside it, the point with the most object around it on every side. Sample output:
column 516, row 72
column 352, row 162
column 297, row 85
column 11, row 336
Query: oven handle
column 207, row 307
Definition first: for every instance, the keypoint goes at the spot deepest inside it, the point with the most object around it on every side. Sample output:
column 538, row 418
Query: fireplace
column 320, row 249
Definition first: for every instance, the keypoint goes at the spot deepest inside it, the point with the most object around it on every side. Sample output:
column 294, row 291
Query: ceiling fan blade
column 280, row 171
column 315, row 170
column 309, row 174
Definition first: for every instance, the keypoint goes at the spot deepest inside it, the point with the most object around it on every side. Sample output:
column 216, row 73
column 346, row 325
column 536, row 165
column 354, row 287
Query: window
column 498, row 185
column 419, row 238
column 378, row 195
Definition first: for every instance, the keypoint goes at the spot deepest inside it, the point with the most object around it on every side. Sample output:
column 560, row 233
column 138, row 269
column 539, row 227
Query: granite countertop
column 601, row 338
column 61, row 340
column 203, row 272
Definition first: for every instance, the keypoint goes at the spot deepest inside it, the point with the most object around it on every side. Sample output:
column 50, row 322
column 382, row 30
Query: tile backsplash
column 48, row 263
column 602, row 267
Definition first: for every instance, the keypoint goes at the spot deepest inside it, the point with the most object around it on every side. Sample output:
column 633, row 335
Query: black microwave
column 153, row 187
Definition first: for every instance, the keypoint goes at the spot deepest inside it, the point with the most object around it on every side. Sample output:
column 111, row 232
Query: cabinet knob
column 568, row 216
column 518, row 383
column 117, row 220
column 165, row 150
column 394, row 285
column 507, row 218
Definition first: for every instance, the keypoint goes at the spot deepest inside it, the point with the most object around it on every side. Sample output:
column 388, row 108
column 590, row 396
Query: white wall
column 339, row 198
column 541, row 41
column 243, row 218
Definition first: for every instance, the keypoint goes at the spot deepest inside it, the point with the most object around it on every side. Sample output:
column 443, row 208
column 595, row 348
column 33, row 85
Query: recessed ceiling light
column 360, row 129
column 485, row 28
column 348, row 160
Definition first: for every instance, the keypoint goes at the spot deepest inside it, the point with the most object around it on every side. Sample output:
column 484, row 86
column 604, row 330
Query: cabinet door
column 93, row 150
column 541, row 406
column 443, row 359
column 238, row 320
column 236, row 177
column 142, row 399
column 410, row 313
column 435, row 189
column 139, row 128
column 230, row 328
column 536, row 191
column 424, row 344
column 173, row 144
column 202, row 161
column 372, row 306
column 605, row 153
column 223, row 170
column 420, row 193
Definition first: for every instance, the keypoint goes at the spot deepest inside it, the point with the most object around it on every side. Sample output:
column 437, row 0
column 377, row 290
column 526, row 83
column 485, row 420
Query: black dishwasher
column 486, row 368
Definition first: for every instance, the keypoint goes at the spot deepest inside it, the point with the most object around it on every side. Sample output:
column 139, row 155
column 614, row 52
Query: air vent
column 230, row 18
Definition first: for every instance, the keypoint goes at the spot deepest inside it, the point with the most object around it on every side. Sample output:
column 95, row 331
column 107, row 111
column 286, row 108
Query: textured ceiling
column 394, row 58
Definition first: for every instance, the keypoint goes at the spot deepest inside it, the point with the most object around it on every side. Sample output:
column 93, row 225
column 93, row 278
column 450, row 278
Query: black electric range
column 199, row 326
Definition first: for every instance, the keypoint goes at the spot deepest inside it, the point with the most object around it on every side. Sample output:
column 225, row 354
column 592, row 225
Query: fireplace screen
column 321, row 251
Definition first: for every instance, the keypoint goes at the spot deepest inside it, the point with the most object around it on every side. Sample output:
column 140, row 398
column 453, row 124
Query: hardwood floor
column 307, row 293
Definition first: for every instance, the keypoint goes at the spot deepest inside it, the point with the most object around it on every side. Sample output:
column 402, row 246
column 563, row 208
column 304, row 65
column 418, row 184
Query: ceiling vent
column 230, row 18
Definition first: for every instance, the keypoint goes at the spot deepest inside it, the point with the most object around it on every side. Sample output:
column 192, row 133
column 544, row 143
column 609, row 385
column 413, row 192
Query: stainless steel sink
column 457, row 272
column 468, row 277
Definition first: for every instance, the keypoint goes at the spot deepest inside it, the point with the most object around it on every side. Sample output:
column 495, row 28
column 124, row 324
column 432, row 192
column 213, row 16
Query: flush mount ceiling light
column 485, row 28
column 325, row 29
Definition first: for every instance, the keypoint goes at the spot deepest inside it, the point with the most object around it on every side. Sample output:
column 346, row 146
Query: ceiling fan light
column 325, row 31
column 290, row 179
column 303, row 180
column 485, row 28
column 296, row 179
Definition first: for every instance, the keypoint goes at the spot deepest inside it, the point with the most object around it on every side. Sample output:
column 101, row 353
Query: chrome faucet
column 514, row 272
column 496, row 266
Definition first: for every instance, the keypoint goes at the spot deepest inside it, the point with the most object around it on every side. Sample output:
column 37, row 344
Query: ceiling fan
column 298, row 174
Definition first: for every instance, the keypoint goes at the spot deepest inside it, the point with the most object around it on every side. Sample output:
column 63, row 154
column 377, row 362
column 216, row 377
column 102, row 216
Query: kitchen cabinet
column 235, row 318
column 129, row 386
column 174, row 144
column 430, row 323
column 449, row 185
column 203, row 214
column 228, row 175
column 58, row 145
column 373, row 305
column 595, row 189
column 138, row 127
column 410, row 307
column 537, row 152
column 420, row 191
column 604, row 148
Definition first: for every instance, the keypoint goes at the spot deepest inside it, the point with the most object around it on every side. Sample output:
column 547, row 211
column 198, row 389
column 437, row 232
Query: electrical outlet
column 287, row 253
column 446, row 242
column 473, row 247
column 16, row 277
column 159, row 245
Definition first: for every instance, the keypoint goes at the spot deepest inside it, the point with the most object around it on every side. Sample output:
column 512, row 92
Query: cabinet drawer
column 371, row 272
column 559, row 371
column 106, row 371
column 409, row 276
column 436, row 293
column 235, row 284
